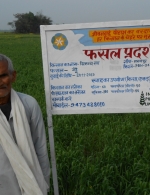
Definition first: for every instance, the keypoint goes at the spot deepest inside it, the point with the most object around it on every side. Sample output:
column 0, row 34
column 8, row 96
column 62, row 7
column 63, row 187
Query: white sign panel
column 97, row 68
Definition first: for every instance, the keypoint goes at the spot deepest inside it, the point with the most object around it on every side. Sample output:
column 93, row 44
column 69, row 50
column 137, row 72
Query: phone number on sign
column 83, row 105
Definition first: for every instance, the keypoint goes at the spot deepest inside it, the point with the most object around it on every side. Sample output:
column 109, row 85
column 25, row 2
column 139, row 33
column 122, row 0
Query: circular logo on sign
column 59, row 41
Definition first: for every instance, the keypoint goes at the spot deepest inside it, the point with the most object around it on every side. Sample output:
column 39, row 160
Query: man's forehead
column 3, row 65
column 4, row 61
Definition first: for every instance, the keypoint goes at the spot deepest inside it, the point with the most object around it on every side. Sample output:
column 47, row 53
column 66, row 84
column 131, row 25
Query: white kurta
column 8, row 182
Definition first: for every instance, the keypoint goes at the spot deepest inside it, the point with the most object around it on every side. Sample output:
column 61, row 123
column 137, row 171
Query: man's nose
column 1, row 81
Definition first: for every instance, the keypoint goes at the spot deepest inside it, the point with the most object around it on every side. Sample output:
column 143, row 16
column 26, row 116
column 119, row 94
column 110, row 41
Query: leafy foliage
column 29, row 23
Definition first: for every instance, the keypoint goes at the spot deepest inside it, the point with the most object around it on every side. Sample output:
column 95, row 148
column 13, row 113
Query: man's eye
column 3, row 75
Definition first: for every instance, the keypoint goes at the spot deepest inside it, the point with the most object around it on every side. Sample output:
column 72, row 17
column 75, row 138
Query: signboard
column 97, row 68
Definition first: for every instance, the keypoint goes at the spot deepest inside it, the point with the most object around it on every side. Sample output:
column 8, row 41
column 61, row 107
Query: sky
column 76, row 11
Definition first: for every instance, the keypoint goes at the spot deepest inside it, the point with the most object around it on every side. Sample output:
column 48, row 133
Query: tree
column 142, row 100
column 29, row 23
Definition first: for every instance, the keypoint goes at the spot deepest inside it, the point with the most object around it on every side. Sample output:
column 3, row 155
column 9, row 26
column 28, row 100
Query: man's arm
column 39, row 141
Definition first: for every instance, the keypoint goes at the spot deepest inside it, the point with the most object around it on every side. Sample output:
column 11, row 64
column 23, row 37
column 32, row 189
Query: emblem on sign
column 59, row 41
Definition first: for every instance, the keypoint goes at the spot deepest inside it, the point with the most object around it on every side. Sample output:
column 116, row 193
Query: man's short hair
column 8, row 60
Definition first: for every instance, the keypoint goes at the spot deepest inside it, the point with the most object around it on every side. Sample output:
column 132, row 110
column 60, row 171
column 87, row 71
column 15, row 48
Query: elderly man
column 24, row 163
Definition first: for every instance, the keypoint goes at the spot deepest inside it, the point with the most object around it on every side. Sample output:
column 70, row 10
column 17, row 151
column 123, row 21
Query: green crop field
column 101, row 154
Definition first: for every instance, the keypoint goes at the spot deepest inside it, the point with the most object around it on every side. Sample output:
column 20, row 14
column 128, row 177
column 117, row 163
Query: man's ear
column 14, row 74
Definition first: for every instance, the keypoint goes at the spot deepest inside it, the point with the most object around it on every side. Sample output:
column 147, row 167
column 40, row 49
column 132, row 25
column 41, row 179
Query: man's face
column 6, row 79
